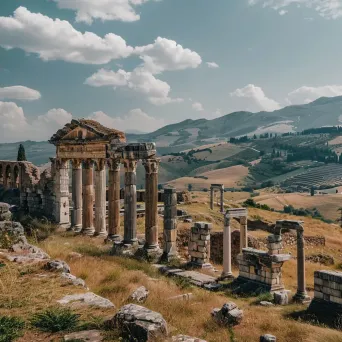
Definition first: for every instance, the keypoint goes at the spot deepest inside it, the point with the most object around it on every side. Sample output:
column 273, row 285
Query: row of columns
column 82, row 219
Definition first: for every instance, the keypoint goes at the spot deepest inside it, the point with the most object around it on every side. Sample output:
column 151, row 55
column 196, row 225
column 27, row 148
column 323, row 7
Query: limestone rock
column 184, row 338
column 86, row 336
column 11, row 233
column 140, row 294
column 24, row 253
column 281, row 298
column 58, row 265
column 228, row 315
column 70, row 278
column 86, row 299
column 139, row 324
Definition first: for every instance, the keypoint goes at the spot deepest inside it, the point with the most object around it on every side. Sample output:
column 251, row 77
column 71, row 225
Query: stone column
column 211, row 198
column 227, row 250
column 170, row 224
column 76, row 218
column 151, row 203
column 114, row 203
column 301, row 295
column 88, row 198
column 243, row 233
column 100, row 198
column 130, row 215
column 61, row 185
column 222, row 200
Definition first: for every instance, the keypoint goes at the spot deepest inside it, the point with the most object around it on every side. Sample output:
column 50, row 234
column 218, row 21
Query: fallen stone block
column 140, row 294
column 268, row 338
column 265, row 303
column 86, row 299
column 228, row 315
column 86, row 336
column 139, row 324
column 11, row 233
column 281, row 298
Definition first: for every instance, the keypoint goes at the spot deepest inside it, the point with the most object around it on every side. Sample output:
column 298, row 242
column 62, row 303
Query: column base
column 113, row 238
column 227, row 276
column 100, row 234
column 124, row 249
column 152, row 255
column 302, row 298
column 88, row 231
column 169, row 257
column 77, row 228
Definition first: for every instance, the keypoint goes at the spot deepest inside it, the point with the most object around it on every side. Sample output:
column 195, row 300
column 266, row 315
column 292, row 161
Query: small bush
column 55, row 319
column 10, row 328
column 264, row 297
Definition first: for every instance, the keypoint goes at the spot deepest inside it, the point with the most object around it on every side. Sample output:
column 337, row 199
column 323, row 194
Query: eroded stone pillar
column 76, row 217
column 301, row 295
column 151, row 203
column 170, row 224
column 222, row 200
column 243, row 233
column 227, row 250
column 61, row 212
column 100, row 198
column 130, row 215
column 88, row 198
column 114, row 200
column 211, row 198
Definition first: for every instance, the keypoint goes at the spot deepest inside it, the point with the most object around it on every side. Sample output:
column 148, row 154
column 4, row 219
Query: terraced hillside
column 319, row 177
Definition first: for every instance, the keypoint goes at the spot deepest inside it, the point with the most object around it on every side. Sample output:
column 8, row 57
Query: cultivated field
column 230, row 177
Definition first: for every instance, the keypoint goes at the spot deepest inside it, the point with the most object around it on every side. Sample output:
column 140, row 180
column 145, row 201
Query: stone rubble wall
column 328, row 286
column 199, row 244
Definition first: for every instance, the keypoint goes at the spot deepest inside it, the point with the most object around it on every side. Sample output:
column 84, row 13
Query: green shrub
column 55, row 319
column 10, row 328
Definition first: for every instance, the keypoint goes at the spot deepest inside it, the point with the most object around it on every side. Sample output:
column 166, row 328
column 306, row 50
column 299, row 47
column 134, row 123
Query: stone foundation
column 327, row 302
column 199, row 244
column 261, row 270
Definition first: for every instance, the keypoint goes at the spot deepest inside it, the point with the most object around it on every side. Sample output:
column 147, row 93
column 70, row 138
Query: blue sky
column 141, row 64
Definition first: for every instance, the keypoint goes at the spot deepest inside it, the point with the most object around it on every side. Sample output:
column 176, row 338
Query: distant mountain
column 192, row 133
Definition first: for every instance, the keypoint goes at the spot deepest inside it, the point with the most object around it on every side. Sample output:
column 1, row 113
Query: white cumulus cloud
column 257, row 96
column 197, row 106
column 139, row 80
column 212, row 65
column 329, row 9
column 167, row 55
column 19, row 93
column 55, row 39
column 134, row 120
column 14, row 126
column 307, row 94
column 88, row 10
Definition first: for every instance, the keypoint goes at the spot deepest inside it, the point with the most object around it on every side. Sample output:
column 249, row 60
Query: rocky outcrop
column 139, row 324
column 229, row 315
column 71, row 279
column 5, row 214
column 57, row 265
column 86, row 336
column 11, row 233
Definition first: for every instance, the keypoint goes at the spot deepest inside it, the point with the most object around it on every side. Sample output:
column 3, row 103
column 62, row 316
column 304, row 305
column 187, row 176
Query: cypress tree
column 21, row 153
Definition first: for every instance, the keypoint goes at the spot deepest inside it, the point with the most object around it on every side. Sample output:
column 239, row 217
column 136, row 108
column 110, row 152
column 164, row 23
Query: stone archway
column 16, row 176
column 8, row 176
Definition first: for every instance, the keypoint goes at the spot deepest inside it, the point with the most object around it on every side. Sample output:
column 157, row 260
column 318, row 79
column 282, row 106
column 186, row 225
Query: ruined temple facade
column 85, row 150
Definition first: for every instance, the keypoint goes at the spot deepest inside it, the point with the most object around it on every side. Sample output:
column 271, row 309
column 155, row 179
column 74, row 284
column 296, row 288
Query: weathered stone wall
column 290, row 239
column 216, row 246
column 199, row 244
column 327, row 302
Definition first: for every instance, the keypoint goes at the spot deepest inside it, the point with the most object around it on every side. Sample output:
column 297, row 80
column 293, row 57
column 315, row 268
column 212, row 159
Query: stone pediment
column 83, row 130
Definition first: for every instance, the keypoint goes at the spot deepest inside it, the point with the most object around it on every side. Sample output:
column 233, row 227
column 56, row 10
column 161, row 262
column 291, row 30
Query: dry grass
column 23, row 292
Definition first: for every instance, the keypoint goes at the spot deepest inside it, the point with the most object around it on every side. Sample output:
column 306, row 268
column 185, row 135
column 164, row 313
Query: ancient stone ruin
column 219, row 187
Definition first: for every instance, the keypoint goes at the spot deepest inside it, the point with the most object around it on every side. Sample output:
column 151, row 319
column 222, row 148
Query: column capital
column 151, row 165
column 114, row 164
column 226, row 221
column 61, row 163
column 130, row 165
column 87, row 163
column 100, row 164
column 76, row 164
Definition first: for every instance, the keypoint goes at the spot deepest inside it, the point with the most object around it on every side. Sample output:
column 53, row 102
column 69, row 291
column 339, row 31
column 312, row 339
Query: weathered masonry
column 89, row 148
column 219, row 187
